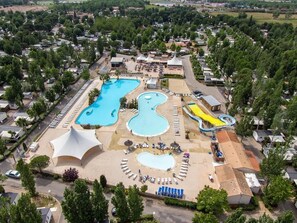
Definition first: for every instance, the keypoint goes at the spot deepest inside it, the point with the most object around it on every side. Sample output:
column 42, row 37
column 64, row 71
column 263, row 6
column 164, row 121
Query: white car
column 13, row 174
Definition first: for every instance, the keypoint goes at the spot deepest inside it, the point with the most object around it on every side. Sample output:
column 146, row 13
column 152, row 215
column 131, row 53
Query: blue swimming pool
column 160, row 162
column 148, row 122
column 104, row 111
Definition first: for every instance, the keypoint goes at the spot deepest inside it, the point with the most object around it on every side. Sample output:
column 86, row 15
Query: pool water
column 160, row 162
column 148, row 122
column 104, row 111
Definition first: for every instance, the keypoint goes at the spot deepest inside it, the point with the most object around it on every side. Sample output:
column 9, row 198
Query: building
column 11, row 132
column 46, row 214
column 253, row 182
column 235, row 154
column 3, row 117
column 152, row 83
column 260, row 135
column 291, row 174
column 4, row 105
column 211, row 103
column 13, row 197
column 117, row 61
column 234, row 183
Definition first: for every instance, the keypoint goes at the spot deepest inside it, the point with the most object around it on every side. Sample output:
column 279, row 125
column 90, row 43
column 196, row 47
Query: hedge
column 176, row 76
column 180, row 203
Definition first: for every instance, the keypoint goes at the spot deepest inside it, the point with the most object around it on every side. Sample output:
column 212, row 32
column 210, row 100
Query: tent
column 75, row 143
column 174, row 62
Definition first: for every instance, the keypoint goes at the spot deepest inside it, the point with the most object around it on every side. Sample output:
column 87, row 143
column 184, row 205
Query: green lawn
column 264, row 17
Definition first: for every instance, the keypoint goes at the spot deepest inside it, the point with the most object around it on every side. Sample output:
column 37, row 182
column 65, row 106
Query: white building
column 46, row 214
column 152, row 83
column 253, row 182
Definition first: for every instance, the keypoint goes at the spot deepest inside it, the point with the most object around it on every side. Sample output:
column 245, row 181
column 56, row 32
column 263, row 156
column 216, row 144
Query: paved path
column 162, row 212
column 195, row 85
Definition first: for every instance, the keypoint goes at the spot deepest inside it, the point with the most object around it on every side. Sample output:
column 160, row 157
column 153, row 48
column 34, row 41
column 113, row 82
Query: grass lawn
column 262, row 17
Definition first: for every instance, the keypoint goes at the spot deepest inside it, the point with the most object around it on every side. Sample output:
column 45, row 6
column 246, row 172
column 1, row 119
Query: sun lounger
column 166, row 181
column 159, row 180
column 159, row 191
column 124, row 160
column 183, row 171
column 126, row 152
column 130, row 175
column 162, row 180
column 124, row 166
column 169, row 179
column 182, row 174
column 184, row 168
column 175, row 180
column 135, row 176
column 123, row 163
column 127, row 171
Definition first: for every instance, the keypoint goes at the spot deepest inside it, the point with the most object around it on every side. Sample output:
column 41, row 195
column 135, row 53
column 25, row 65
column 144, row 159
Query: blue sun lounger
column 178, row 193
column 166, row 191
column 182, row 193
column 162, row 190
column 174, row 193
column 170, row 192
column 159, row 190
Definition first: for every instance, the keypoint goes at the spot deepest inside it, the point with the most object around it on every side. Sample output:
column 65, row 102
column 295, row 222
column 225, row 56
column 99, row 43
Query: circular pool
column 160, row 162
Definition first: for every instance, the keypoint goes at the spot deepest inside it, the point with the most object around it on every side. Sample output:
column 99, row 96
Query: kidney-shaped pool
column 161, row 162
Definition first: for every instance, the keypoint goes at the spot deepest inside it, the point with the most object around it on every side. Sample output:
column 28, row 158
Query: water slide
column 220, row 122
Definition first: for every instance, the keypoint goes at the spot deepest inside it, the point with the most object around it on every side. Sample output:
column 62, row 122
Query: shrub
column 2, row 190
column 103, row 181
column 143, row 188
column 70, row 175
column 56, row 176
column 181, row 203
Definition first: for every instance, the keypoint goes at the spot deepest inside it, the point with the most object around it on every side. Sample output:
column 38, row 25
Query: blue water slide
column 227, row 119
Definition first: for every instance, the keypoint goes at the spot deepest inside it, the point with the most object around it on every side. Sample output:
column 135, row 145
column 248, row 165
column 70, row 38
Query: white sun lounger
column 125, row 168
column 125, row 151
column 159, row 180
column 183, row 171
column 179, row 177
column 169, row 179
column 175, row 180
column 166, row 181
column 182, row 175
column 128, row 171
column 184, row 168
column 124, row 160
column 130, row 175
column 135, row 176
column 123, row 163
column 162, row 180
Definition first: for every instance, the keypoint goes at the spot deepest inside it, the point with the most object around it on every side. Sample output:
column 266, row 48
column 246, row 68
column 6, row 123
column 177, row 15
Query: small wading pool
column 160, row 162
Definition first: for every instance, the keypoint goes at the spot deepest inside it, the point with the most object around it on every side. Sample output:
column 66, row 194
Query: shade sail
column 174, row 62
column 75, row 143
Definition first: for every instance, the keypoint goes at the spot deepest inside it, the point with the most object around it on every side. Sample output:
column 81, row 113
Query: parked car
column 197, row 92
column 13, row 174
column 198, row 96
column 114, row 211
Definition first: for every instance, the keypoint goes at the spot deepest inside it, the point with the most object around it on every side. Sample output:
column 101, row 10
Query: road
column 162, row 212
column 193, row 84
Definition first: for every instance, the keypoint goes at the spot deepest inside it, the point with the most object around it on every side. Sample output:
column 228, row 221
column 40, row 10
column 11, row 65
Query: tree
column 113, row 53
column 103, row 181
column 273, row 165
column 24, row 211
column 27, row 178
column 99, row 202
column 104, row 77
column 70, row 175
column 100, row 45
column 135, row 203
column 85, row 74
column 236, row 217
column 67, row 79
column 22, row 122
column 276, row 14
column 200, row 217
column 117, row 73
column 3, row 146
column 201, row 52
column 244, row 127
column 278, row 190
column 40, row 162
column 213, row 201
column 173, row 47
column 285, row 217
column 38, row 108
column 120, row 203
column 50, row 95
column 77, row 206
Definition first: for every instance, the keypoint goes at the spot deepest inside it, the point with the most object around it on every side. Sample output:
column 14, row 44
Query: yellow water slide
column 199, row 113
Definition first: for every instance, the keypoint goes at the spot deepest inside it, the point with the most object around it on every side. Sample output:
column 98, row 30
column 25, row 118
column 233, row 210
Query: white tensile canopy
column 141, row 58
column 174, row 62
column 75, row 143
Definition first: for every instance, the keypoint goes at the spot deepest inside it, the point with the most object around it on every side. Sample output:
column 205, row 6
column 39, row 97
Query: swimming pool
column 104, row 111
column 160, row 162
column 148, row 122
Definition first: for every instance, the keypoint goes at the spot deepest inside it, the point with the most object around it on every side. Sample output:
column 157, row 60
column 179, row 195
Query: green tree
column 50, row 95
column 99, row 202
column 213, row 201
column 135, row 203
column 3, row 146
column 27, row 178
column 67, row 79
column 40, row 162
column 77, row 205
column 120, row 203
column 24, row 211
column 279, row 189
column 38, row 108
column 273, row 165
column 113, row 53
column 23, row 123
column 100, row 45
column 117, row 73
column 244, row 127
column 201, row 52
column 285, row 217
column 173, row 47
column 103, row 181
column 200, row 217
column 85, row 74
column 236, row 217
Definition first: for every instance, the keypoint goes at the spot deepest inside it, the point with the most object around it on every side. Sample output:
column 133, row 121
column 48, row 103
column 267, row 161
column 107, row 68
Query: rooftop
column 232, row 180
column 117, row 60
column 211, row 100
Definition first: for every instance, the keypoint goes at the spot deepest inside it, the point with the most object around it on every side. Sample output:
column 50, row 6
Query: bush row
column 181, row 203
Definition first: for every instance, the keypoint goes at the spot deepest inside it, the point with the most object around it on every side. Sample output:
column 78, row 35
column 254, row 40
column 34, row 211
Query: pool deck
column 107, row 161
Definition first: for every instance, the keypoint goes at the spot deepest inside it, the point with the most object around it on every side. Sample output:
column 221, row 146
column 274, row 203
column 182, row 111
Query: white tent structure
column 141, row 58
column 75, row 143
column 174, row 62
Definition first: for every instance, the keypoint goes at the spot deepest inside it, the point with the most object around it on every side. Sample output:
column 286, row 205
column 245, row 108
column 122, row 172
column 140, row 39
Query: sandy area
column 179, row 86
column 107, row 161
column 24, row 8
